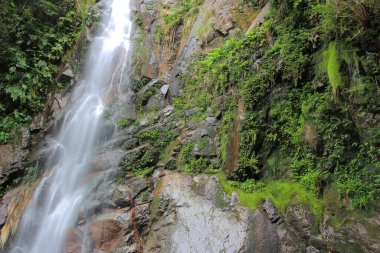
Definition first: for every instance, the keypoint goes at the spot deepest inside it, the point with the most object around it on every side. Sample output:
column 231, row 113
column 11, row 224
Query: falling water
column 57, row 202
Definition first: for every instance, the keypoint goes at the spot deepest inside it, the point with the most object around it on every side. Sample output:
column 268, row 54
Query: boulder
column 264, row 236
column 193, row 223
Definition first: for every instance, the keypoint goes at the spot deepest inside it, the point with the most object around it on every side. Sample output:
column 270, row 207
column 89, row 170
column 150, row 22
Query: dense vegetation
column 35, row 38
column 308, row 79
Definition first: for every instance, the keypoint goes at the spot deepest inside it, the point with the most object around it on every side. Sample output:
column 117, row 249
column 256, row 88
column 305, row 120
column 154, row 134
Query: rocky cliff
column 164, row 190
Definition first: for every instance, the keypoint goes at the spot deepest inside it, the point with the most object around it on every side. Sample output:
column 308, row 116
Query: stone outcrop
column 183, row 216
column 169, row 56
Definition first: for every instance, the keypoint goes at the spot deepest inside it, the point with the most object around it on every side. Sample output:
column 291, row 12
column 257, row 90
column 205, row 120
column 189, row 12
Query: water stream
column 57, row 201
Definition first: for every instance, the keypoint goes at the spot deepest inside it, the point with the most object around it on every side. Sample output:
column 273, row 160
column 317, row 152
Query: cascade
column 68, row 179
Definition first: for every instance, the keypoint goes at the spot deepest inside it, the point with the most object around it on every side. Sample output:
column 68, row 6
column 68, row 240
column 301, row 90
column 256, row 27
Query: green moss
column 282, row 193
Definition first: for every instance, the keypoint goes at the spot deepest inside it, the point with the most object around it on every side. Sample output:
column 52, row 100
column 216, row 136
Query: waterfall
column 56, row 204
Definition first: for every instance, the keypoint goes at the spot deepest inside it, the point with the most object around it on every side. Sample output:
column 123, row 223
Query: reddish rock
column 106, row 234
column 74, row 244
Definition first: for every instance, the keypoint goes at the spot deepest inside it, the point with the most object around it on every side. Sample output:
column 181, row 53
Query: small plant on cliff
column 122, row 123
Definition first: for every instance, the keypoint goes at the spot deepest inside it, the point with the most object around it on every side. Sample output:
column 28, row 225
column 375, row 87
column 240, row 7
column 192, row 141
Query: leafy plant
column 35, row 38
column 122, row 123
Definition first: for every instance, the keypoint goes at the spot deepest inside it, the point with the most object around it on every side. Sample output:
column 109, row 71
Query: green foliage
column 290, row 48
column 355, row 22
column 192, row 164
column 198, row 165
column 176, row 15
column 313, row 180
column 10, row 123
column 228, row 119
column 158, row 137
column 143, row 100
column 358, row 181
column 248, row 186
column 187, row 101
column 123, row 123
column 35, row 36
column 281, row 72
column 206, row 25
column 187, row 152
column 183, row 12
column 32, row 174
column 249, row 163
column 83, row 6
column 136, row 85
column 140, row 162
column 165, row 154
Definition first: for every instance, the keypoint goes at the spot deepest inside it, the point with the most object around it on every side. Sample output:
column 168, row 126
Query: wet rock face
column 169, row 56
column 13, row 159
column 182, row 213
column 104, row 234
column 194, row 221
column 114, row 217
column 353, row 236
column 12, row 206
column 301, row 219
column 264, row 236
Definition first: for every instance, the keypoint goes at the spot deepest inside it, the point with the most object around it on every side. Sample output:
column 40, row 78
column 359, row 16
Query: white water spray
column 58, row 199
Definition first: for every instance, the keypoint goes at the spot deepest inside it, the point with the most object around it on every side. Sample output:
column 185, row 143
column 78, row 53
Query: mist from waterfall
column 61, row 194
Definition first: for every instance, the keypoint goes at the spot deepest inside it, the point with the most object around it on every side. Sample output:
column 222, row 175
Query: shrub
column 35, row 39
column 122, row 123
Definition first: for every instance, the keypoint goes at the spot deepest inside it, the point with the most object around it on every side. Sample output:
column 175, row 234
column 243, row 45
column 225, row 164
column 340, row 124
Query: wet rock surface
column 13, row 160
column 189, row 217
